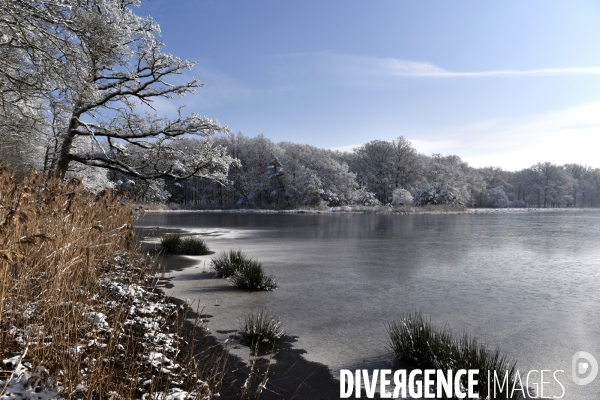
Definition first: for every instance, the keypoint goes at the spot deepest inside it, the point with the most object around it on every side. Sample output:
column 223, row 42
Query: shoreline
column 290, row 375
column 377, row 210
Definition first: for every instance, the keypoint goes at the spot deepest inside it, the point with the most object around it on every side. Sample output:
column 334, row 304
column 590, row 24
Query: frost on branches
column 95, row 68
column 401, row 197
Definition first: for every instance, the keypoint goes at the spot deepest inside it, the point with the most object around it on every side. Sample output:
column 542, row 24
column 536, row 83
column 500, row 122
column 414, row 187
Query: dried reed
column 77, row 308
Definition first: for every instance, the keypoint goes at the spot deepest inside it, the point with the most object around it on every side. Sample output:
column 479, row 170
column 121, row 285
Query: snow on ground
column 148, row 313
column 25, row 383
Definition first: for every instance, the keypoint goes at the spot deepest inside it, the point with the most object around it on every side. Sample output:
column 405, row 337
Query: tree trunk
column 64, row 155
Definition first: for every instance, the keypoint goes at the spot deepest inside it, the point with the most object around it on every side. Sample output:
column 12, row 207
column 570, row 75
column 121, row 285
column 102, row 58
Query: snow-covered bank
column 79, row 313
column 149, row 322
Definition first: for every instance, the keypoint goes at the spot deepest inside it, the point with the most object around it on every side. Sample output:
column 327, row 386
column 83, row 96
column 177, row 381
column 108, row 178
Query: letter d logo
column 584, row 364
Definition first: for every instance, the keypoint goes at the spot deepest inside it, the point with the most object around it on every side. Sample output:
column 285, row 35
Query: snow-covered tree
column 406, row 165
column 365, row 198
column 494, row 177
column 98, row 67
column 372, row 164
column 496, row 197
column 21, row 140
column 454, row 174
column 546, row 183
column 401, row 196
column 34, row 44
column 581, row 175
column 313, row 190
column 337, row 182
column 93, row 179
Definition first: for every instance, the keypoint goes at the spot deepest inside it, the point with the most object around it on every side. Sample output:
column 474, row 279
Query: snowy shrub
column 441, row 195
column 401, row 197
column 424, row 197
column 331, row 199
column 365, row 198
column 448, row 196
column 93, row 179
column 496, row 197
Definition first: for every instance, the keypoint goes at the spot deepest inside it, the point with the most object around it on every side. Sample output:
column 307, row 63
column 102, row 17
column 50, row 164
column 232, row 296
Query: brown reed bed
column 79, row 316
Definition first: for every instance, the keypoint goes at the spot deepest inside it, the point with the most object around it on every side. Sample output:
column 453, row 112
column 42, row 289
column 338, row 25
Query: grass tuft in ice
column 171, row 242
column 414, row 339
column 260, row 328
column 190, row 245
column 251, row 276
column 244, row 272
column 193, row 246
column 226, row 264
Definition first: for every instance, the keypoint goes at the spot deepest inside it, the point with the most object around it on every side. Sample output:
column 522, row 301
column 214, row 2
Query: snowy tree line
column 289, row 175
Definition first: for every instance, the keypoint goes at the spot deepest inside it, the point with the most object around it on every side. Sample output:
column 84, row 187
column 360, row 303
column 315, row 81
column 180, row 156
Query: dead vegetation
column 78, row 314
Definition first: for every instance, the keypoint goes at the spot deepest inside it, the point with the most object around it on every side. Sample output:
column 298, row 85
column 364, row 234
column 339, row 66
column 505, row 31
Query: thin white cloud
column 425, row 69
column 344, row 65
column 532, row 72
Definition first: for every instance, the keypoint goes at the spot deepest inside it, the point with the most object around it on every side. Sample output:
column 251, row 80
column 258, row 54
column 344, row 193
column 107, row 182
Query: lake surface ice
column 527, row 283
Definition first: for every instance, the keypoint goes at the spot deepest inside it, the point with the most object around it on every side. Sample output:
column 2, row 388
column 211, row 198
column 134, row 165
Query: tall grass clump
column 245, row 272
column 227, row 263
column 261, row 327
column 193, row 246
column 251, row 276
column 78, row 315
column 189, row 245
column 171, row 242
column 414, row 339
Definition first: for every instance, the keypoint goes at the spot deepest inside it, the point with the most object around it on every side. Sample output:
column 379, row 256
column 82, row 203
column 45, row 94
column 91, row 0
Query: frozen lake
column 528, row 283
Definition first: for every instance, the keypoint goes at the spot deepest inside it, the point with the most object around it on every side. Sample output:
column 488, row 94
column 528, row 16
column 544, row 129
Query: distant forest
column 289, row 175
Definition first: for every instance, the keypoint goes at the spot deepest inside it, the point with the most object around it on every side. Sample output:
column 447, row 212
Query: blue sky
column 504, row 83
